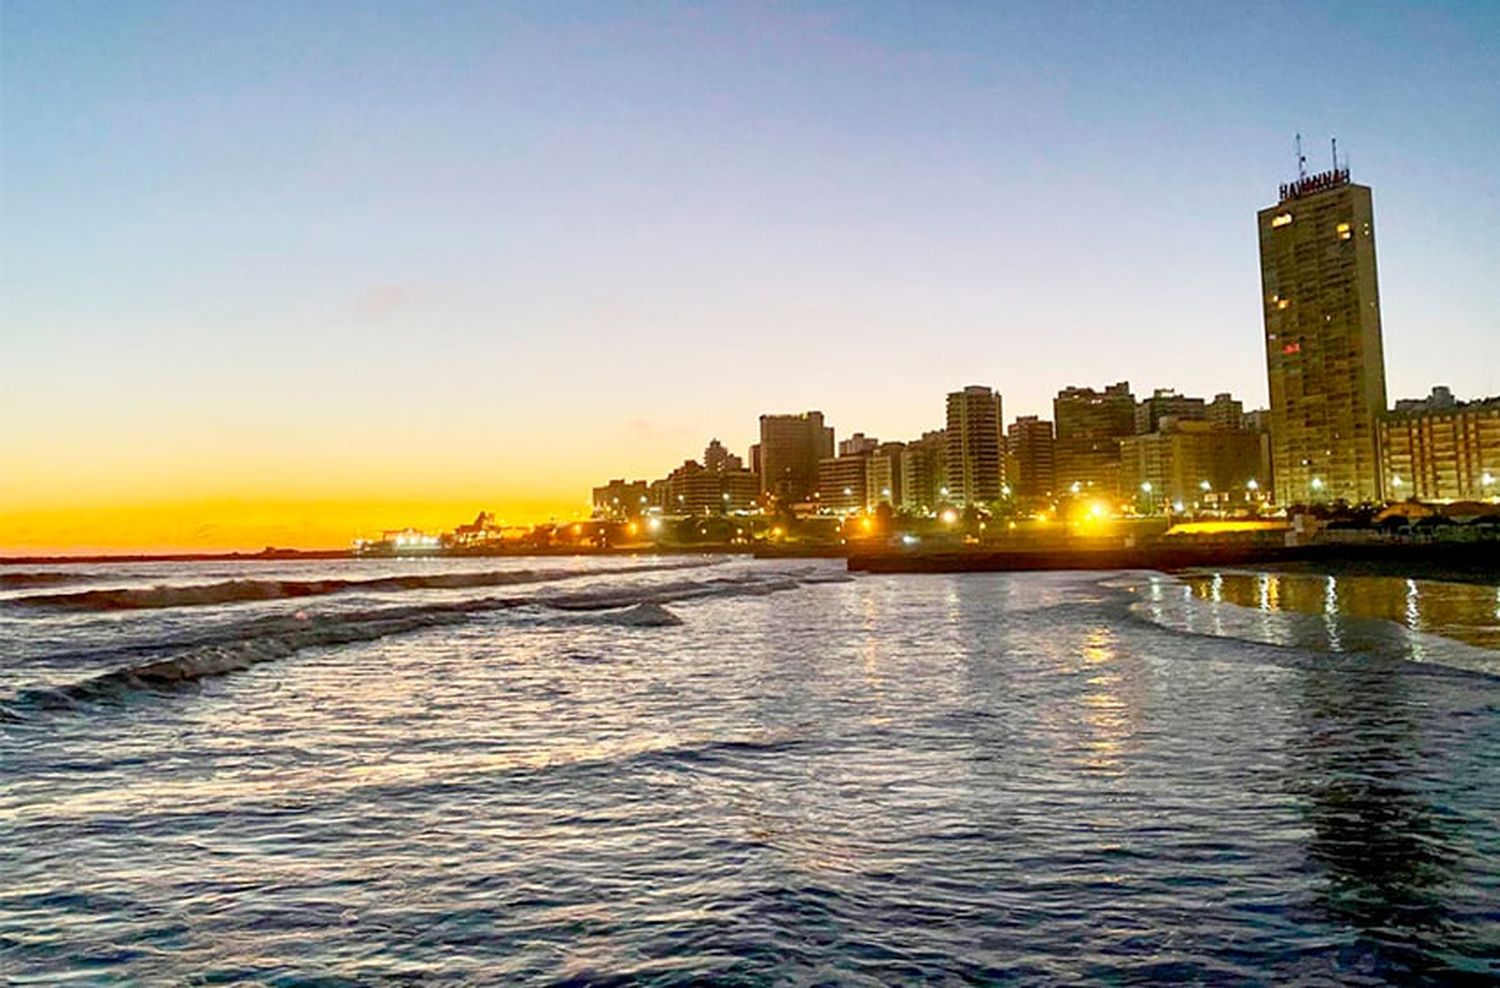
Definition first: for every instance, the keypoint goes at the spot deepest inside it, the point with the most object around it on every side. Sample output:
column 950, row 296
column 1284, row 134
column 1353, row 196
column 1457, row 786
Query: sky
column 288, row 273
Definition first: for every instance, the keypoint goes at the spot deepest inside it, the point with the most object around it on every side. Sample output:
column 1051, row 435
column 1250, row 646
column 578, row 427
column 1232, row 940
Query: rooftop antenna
column 1335, row 141
column 1301, row 160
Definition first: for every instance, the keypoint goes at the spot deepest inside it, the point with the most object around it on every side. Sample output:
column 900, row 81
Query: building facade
column 976, row 446
column 790, row 449
column 841, row 483
column 1031, row 467
column 1439, row 449
column 1090, row 425
column 620, row 499
column 1225, row 412
column 1324, row 359
column 1165, row 403
column 924, row 473
column 883, row 475
column 1188, row 463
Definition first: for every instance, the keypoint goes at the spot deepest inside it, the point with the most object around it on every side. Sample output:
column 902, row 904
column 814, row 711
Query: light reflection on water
column 1468, row 613
column 970, row 778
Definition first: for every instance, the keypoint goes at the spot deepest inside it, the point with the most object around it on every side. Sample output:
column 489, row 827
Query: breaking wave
column 246, row 591
column 240, row 646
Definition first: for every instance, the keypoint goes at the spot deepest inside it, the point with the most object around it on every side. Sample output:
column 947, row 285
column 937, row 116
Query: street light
column 1075, row 487
column 1205, row 485
column 1317, row 484
column 1146, row 486
column 1252, row 485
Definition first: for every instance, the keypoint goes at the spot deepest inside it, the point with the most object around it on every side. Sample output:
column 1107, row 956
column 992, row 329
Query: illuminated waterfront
column 533, row 772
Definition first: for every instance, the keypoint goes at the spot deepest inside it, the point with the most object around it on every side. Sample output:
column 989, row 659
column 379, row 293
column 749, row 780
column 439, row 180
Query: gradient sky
column 289, row 272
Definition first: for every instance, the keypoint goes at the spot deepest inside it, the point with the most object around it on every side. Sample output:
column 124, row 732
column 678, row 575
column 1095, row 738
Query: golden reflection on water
column 1469, row 613
column 1106, row 712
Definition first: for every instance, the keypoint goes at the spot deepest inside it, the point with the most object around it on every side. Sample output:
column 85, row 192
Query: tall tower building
column 1323, row 351
column 976, row 446
column 791, row 447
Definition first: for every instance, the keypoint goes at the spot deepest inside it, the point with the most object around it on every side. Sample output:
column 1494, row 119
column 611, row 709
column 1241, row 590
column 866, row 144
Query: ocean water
column 673, row 771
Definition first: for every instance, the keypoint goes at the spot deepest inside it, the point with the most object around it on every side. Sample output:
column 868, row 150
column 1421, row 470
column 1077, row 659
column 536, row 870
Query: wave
column 23, row 581
column 237, row 647
column 247, row 591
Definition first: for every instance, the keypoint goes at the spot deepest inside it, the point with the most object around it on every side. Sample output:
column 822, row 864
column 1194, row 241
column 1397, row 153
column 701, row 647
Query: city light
column 1145, row 487
column 949, row 517
column 1317, row 483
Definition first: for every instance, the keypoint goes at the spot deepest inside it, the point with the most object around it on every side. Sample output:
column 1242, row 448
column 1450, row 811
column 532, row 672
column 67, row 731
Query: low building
column 621, row 499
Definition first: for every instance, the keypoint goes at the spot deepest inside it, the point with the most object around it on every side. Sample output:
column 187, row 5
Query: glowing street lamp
column 1205, row 486
column 1075, row 487
column 1252, row 484
column 1145, row 487
column 1317, row 484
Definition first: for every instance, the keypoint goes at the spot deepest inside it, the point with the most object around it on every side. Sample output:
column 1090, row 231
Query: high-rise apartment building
column 790, row 448
column 924, row 472
column 1090, row 425
column 841, row 483
column 1225, row 412
column 976, row 446
column 1190, row 462
column 1164, row 403
column 857, row 445
column 883, row 476
column 1324, row 360
column 1030, row 465
column 1440, row 449
column 716, row 457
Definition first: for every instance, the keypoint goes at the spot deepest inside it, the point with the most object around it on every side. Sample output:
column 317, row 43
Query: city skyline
column 318, row 317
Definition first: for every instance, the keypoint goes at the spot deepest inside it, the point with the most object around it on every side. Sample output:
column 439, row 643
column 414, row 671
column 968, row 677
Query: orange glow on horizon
column 225, row 524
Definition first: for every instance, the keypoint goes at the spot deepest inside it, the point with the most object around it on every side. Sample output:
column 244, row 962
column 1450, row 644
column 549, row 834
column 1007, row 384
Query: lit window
column 1283, row 303
column 1281, row 220
column 1343, row 229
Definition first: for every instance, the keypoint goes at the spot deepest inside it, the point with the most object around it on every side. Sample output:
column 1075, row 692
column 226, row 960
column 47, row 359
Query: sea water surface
column 687, row 770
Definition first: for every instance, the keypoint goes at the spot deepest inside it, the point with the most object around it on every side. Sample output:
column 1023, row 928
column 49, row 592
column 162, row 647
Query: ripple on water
column 963, row 779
